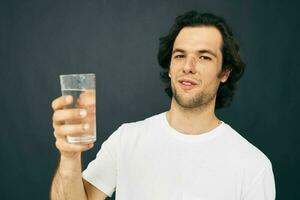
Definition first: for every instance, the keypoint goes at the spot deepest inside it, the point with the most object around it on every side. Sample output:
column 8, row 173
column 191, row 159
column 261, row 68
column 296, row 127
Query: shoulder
column 245, row 148
column 242, row 151
column 254, row 166
column 250, row 159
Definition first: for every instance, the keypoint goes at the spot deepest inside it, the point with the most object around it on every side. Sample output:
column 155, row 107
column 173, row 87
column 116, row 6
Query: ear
column 225, row 75
column 169, row 75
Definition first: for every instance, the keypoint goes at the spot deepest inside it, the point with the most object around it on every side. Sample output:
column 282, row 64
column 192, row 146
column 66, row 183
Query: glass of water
column 83, row 89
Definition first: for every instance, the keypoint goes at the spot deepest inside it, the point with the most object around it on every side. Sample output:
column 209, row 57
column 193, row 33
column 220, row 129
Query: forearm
column 67, row 182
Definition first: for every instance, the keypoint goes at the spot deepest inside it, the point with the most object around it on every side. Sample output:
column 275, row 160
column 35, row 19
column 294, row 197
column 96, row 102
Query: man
column 186, row 153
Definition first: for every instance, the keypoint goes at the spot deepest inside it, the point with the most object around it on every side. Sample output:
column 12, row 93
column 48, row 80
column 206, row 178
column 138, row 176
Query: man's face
column 196, row 65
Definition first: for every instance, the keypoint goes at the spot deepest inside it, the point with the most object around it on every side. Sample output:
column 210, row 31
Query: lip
column 187, row 87
column 188, row 80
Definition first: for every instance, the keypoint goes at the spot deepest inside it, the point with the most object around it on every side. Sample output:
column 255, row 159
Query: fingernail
column 86, row 126
column 82, row 113
column 68, row 99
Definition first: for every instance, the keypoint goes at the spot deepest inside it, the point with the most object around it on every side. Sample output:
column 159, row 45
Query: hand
column 78, row 116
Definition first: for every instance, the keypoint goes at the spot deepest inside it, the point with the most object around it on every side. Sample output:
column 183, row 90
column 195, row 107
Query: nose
column 190, row 65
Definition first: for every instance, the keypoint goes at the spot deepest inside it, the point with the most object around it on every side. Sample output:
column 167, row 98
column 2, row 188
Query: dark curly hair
column 230, row 51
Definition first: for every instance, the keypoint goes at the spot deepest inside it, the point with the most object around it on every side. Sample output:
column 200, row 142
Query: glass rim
column 87, row 74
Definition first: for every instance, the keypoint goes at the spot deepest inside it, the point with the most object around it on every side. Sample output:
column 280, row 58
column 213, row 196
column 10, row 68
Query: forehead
column 197, row 38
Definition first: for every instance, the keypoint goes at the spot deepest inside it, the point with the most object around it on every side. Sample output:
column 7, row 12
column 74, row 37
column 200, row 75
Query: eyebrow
column 199, row 51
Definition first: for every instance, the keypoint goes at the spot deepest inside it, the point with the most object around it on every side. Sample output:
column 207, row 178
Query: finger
column 59, row 136
column 68, row 114
column 61, row 102
column 91, row 110
column 72, row 129
column 88, row 93
column 64, row 146
column 87, row 98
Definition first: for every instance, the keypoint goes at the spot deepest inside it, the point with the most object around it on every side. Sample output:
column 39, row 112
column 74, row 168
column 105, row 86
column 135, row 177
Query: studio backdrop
column 118, row 41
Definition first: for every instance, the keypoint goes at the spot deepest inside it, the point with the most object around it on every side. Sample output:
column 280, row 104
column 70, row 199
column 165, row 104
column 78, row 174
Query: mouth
column 187, row 84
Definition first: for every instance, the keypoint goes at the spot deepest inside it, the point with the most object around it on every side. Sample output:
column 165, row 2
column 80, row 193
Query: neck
column 192, row 121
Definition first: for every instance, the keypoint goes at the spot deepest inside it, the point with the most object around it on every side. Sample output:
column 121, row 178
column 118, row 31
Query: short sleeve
column 263, row 186
column 102, row 171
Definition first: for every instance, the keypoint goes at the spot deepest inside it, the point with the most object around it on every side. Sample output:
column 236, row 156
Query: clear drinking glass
column 83, row 89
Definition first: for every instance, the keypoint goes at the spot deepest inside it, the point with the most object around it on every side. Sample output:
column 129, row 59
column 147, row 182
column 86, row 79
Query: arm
column 92, row 192
column 67, row 182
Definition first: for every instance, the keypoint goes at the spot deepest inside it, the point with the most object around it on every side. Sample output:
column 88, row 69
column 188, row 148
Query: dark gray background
column 118, row 40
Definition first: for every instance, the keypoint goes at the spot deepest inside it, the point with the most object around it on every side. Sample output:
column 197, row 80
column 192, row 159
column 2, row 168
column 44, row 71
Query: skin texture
column 196, row 56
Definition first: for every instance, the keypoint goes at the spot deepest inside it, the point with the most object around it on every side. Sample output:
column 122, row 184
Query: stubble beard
column 200, row 100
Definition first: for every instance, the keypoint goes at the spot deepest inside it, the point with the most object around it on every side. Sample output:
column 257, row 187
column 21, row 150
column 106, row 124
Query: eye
column 179, row 56
column 204, row 58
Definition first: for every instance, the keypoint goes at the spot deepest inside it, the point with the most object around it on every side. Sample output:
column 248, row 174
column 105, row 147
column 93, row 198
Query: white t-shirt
column 149, row 160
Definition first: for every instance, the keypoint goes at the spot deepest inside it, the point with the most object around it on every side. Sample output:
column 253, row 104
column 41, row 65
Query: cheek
column 177, row 64
column 173, row 76
column 208, row 77
column 173, row 71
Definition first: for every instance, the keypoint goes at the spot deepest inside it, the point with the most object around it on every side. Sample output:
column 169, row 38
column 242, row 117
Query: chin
column 187, row 100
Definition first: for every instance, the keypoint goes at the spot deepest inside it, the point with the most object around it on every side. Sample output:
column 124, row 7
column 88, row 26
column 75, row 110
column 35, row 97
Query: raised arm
column 67, row 182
